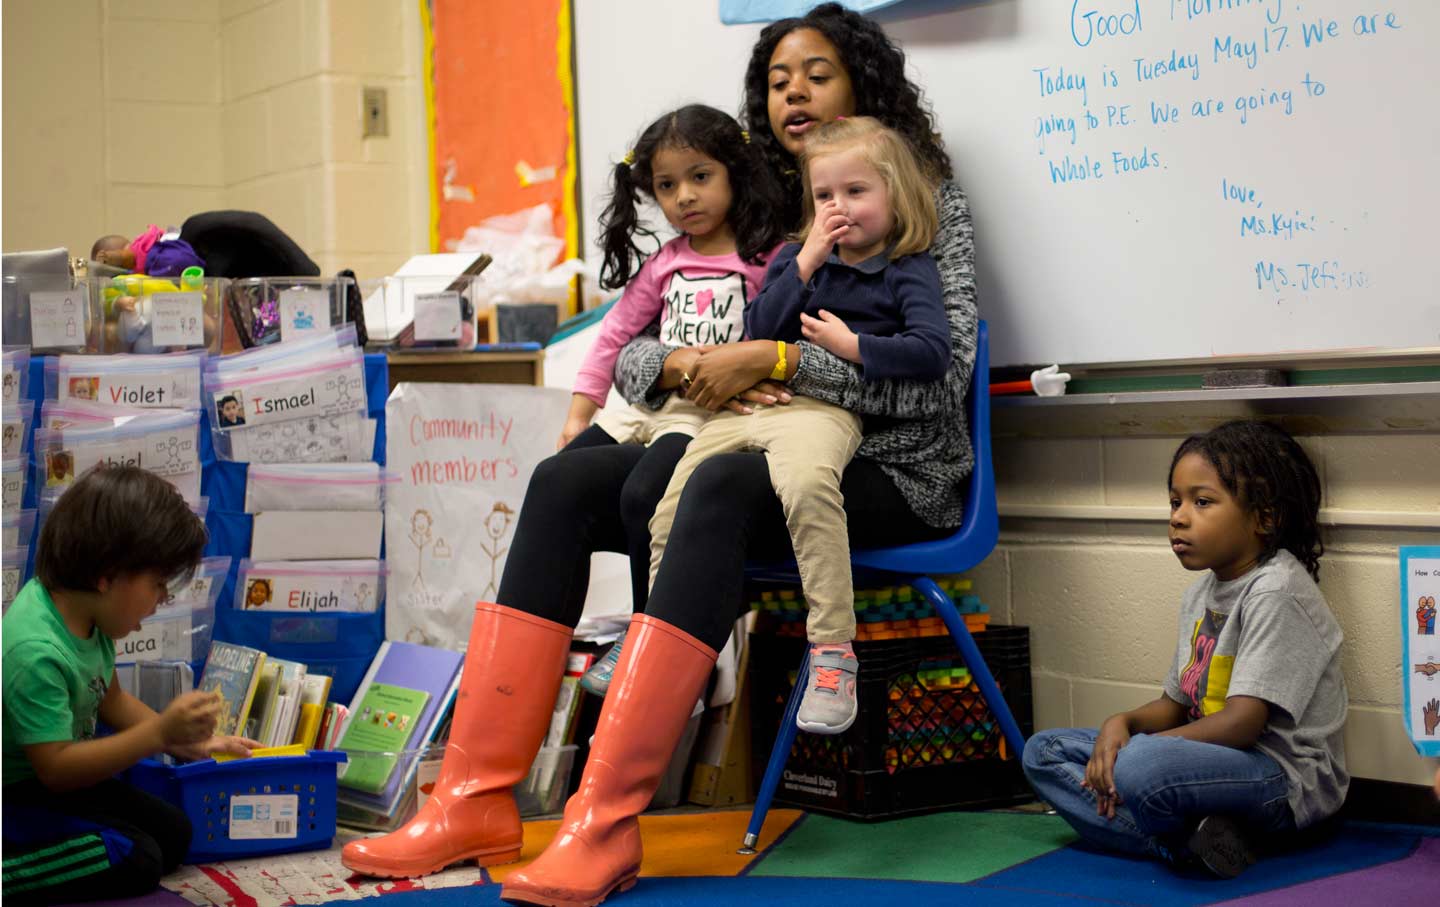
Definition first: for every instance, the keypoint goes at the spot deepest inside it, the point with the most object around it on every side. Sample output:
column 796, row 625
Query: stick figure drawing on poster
column 497, row 523
column 420, row 523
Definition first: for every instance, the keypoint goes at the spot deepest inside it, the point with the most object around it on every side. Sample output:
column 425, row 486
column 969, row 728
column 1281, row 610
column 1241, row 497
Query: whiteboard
column 1150, row 179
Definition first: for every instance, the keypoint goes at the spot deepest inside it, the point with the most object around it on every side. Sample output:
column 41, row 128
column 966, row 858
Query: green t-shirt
column 51, row 682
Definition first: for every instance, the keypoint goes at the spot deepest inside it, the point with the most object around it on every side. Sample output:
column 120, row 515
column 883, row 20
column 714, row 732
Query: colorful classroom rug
column 996, row 858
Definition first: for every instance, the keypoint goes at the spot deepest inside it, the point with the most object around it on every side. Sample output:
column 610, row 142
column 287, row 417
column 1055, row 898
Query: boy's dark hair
column 228, row 398
column 876, row 67
column 1271, row 475
column 755, row 203
column 117, row 520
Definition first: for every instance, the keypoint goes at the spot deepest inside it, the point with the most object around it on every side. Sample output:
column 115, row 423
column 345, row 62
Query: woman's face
column 808, row 86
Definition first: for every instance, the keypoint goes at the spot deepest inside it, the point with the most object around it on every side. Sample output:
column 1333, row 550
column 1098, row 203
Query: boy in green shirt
column 105, row 558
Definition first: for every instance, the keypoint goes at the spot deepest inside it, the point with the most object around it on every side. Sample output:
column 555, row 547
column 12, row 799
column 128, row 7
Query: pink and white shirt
column 701, row 300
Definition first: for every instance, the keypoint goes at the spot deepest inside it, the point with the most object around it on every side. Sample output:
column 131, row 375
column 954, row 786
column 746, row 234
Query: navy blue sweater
column 896, row 307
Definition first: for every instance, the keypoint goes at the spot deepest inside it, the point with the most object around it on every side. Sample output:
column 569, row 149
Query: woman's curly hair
column 876, row 67
column 1271, row 475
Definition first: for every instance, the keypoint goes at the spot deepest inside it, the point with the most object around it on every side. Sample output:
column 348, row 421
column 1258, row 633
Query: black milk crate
column 924, row 740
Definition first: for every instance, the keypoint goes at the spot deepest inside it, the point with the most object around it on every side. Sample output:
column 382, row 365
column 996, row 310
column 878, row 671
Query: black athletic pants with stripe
column 112, row 840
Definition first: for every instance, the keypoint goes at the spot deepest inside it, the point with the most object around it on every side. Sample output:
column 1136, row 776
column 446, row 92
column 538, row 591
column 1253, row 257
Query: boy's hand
column 1100, row 772
column 829, row 225
column 236, row 746
column 189, row 719
column 832, row 334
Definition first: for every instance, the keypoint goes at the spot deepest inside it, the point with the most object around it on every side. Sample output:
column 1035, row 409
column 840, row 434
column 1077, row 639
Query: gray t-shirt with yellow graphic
column 1269, row 634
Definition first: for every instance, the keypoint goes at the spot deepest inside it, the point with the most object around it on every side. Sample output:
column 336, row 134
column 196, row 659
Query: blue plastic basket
column 290, row 800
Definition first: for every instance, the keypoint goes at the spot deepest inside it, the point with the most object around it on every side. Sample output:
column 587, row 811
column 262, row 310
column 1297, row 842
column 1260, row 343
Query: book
column 262, row 706
column 287, row 703
column 291, row 750
column 332, row 721
column 416, row 667
column 158, row 683
column 567, row 701
column 233, row 672
column 378, row 733
column 313, row 692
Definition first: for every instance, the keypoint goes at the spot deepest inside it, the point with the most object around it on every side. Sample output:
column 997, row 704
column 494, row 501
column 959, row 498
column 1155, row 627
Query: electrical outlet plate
column 375, row 113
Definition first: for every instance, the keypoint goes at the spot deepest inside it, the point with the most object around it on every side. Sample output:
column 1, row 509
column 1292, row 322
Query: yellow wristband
column 779, row 373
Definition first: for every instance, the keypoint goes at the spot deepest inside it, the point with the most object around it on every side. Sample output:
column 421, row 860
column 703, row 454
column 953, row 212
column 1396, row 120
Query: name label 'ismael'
column 271, row 405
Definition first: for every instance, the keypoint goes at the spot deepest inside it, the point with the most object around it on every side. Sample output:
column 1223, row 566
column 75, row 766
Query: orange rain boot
column 512, row 673
column 662, row 672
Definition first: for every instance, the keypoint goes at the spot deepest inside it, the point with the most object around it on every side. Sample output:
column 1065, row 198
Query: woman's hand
column 726, row 371
column 1100, row 772
column 767, row 392
column 679, row 367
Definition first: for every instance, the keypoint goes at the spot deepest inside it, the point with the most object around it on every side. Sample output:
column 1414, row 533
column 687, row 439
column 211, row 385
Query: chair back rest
column 979, row 528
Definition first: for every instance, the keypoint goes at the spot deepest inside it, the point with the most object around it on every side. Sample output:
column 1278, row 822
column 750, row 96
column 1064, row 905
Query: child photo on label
column 230, row 409
column 257, row 593
column 85, row 388
column 59, row 468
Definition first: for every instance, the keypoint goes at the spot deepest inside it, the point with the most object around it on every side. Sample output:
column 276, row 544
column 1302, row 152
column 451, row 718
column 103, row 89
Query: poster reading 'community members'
column 464, row 454
column 1419, row 590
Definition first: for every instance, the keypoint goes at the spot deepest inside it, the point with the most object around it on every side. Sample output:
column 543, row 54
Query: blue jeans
column 1166, row 786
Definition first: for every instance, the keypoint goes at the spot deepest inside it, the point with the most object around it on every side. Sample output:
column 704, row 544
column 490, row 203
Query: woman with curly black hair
column 903, row 485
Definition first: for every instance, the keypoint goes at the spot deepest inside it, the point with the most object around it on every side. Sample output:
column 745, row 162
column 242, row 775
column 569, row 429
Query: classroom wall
column 103, row 131
column 1099, row 588
column 120, row 113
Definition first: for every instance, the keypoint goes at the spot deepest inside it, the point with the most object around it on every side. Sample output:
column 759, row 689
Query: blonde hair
column 912, row 195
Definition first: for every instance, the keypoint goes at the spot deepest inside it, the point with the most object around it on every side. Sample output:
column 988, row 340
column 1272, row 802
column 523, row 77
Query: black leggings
column 595, row 495
column 728, row 514
column 112, row 840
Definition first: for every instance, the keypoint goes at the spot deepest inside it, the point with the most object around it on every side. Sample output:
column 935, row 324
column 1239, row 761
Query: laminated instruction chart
column 1419, row 590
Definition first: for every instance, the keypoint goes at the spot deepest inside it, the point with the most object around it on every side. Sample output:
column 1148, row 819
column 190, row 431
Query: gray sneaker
column 829, row 706
column 596, row 681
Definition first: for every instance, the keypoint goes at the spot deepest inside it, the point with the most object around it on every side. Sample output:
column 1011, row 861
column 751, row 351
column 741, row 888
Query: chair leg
column 775, row 768
column 975, row 662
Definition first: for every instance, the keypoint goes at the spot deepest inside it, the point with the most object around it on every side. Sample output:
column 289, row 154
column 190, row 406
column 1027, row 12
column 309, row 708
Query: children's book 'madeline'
column 232, row 671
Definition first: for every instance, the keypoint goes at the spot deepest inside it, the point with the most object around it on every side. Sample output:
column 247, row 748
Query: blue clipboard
column 1420, row 638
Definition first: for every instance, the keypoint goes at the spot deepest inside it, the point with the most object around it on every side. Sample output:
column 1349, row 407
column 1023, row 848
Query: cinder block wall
column 292, row 77
column 1084, row 564
column 122, row 113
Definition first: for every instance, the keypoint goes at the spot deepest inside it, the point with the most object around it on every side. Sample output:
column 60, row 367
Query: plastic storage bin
column 271, row 309
column 417, row 312
column 543, row 790
column 249, row 807
column 925, row 740
column 160, row 314
column 50, row 313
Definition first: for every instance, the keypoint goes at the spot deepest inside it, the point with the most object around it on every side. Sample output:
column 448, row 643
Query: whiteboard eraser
column 1244, row 377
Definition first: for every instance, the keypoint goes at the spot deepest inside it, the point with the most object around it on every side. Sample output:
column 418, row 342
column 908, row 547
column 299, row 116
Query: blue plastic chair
column 971, row 543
